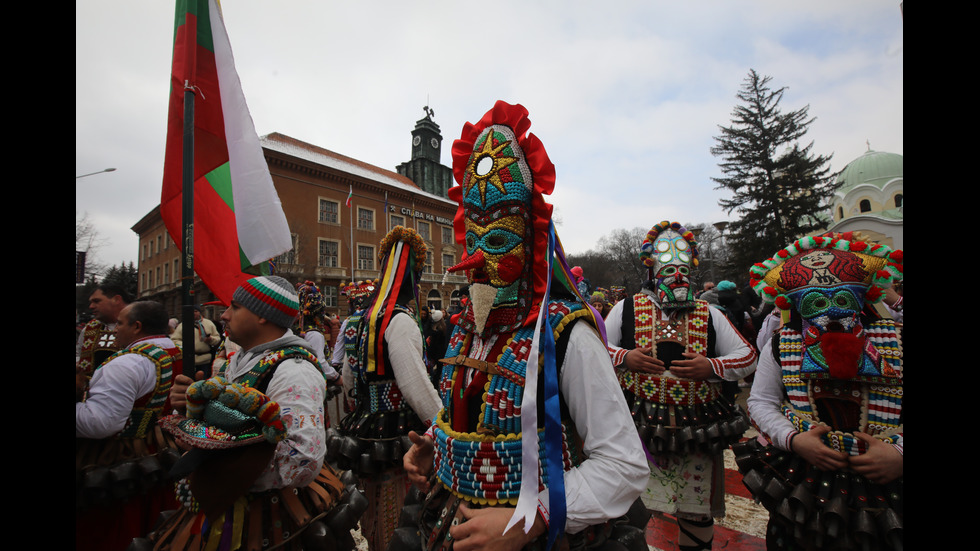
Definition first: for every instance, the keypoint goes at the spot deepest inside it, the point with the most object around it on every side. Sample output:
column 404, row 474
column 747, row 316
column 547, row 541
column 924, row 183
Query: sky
column 627, row 99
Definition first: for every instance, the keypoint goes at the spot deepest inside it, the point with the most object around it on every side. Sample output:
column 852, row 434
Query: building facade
column 333, row 243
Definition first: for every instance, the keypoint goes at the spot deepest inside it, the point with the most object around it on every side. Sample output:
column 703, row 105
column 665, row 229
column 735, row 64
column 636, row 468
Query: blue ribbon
column 552, row 412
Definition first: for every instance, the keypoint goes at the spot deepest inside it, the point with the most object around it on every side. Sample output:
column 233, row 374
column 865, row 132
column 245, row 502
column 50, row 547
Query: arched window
column 865, row 205
column 840, row 212
column 434, row 300
column 899, row 199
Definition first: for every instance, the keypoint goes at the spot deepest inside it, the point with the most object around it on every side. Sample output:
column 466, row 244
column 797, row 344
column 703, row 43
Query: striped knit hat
column 269, row 297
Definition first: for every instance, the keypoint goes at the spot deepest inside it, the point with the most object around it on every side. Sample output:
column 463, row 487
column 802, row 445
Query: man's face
column 127, row 332
column 105, row 309
column 242, row 324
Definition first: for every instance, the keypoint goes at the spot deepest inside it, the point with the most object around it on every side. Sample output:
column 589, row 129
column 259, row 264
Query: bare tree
column 89, row 241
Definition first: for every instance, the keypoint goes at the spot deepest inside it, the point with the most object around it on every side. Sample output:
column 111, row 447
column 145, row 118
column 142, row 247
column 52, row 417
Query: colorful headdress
column 358, row 292
column 510, row 257
column 402, row 255
column 826, row 261
column 670, row 251
column 312, row 306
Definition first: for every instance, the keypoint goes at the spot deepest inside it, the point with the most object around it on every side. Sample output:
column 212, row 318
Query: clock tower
column 424, row 168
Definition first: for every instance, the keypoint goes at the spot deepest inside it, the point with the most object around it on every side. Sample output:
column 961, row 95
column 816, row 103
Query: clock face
column 416, row 140
column 435, row 143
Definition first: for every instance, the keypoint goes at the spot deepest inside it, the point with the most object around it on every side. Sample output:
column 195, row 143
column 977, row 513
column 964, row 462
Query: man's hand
column 810, row 447
column 882, row 463
column 640, row 359
column 484, row 529
column 418, row 460
column 695, row 367
column 178, row 390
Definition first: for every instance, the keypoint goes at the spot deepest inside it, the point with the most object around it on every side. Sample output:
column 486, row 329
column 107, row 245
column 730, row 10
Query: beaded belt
column 668, row 390
column 840, row 441
column 385, row 396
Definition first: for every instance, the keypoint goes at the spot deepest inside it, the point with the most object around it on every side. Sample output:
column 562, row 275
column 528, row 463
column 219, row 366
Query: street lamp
column 93, row 173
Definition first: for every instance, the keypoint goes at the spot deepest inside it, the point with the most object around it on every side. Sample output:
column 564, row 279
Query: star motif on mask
column 489, row 173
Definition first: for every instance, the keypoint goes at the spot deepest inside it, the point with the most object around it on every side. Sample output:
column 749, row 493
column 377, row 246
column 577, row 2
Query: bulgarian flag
column 238, row 219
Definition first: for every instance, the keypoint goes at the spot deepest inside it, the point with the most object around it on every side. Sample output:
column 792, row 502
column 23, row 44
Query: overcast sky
column 626, row 99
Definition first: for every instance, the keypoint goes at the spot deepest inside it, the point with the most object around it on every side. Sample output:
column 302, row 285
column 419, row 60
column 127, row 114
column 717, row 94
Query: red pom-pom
column 769, row 290
column 883, row 274
column 783, row 303
column 858, row 245
column 783, row 253
column 873, row 294
column 896, row 256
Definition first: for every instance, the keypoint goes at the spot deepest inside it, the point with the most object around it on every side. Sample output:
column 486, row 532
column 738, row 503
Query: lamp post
column 93, row 173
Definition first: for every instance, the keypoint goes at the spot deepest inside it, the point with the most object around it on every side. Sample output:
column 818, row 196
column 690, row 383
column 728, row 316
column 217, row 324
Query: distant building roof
column 302, row 150
column 874, row 167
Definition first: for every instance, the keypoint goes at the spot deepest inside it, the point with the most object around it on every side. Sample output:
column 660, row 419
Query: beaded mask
column 671, row 252
column 502, row 218
column 827, row 281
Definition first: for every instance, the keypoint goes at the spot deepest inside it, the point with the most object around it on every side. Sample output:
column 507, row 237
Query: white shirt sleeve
column 319, row 343
column 615, row 472
column 765, row 400
column 338, row 347
column 614, row 332
column 114, row 389
column 404, row 343
column 734, row 356
column 298, row 387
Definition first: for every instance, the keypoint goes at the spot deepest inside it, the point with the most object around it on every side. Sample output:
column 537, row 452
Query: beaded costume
column 837, row 363
column 684, row 424
column 523, row 380
column 120, row 481
column 384, row 345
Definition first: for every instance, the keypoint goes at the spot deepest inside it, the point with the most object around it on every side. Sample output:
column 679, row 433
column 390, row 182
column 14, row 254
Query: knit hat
column 436, row 316
column 269, row 297
column 726, row 286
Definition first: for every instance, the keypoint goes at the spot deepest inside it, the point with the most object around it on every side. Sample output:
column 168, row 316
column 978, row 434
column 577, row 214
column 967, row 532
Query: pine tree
column 780, row 189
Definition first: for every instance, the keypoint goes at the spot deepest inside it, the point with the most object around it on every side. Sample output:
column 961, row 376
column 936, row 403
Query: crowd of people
column 538, row 413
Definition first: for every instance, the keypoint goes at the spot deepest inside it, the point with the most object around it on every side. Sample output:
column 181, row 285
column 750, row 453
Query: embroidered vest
column 375, row 390
column 485, row 466
column 260, row 374
column 871, row 402
column 689, row 332
column 147, row 408
column 98, row 343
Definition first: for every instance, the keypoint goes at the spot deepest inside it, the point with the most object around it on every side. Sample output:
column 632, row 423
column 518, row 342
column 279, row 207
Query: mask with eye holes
column 502, row 219
column 670, row 251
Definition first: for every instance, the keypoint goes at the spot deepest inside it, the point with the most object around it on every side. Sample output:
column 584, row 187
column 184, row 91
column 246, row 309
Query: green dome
column 874, row 167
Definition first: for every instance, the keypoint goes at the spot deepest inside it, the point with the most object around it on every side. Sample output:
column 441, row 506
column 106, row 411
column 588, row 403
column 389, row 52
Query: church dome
column 874, row 167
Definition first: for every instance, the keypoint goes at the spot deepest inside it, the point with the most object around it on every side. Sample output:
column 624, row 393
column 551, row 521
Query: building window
column 427, row 269
column 365, row 219
column 899, row 199
column 330, row 295
column 329, row 256
column 365, row 257
column 144, row 257
column 865, row 205
column 166, row 241
column 166, row 273
column 288, row 257
column 329, row 211
column 840, row 212
column 447, row 235
column 448, row 261
column 159, row 243
column 159, row 281
column 423, row 229
column 397, row 220
column 144, row 281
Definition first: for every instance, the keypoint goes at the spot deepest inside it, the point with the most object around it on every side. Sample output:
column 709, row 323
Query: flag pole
column 187, row 266
column 350, row 215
